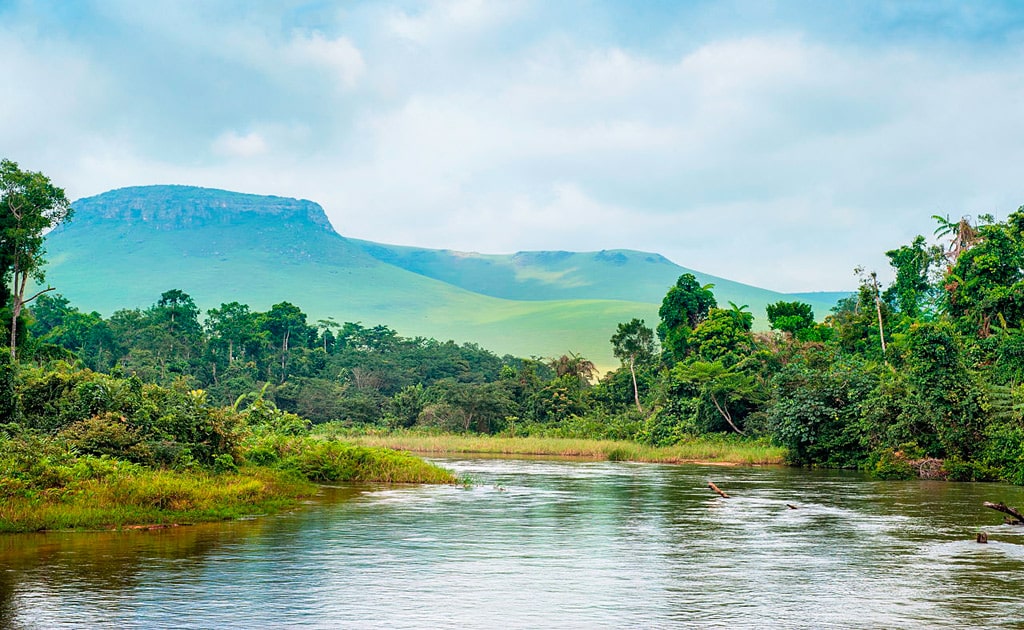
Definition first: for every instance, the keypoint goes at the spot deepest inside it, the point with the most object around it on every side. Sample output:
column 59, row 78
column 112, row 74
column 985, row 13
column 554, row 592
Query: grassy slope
column 136, row 265
column 610, row 274
column 126, row 247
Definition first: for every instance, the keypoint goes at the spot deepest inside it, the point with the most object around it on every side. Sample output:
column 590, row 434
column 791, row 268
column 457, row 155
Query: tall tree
column 29, row 206
column 285, row 322
column 912, row 288
column 632, row 342
column 685, row 306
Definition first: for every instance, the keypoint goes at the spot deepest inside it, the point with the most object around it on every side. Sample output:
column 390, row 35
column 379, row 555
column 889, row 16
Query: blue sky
column 775, row 143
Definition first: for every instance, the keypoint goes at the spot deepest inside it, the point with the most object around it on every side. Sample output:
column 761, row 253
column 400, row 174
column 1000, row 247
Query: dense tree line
column 927, row 368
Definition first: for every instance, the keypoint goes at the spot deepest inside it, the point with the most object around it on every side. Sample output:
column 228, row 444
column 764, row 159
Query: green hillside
column 127, row 246
column 617, row 274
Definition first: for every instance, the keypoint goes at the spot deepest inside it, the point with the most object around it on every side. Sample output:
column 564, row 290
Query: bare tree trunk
column 878, row 309
column 18, row 303
column 725, row 414
column 636, row 391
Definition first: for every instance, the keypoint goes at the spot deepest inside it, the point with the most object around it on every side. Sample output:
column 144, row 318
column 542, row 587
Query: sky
column 780, row 144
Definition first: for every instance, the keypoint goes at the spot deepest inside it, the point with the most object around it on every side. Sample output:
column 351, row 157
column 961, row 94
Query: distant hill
column 127, row 246
column 617, row 274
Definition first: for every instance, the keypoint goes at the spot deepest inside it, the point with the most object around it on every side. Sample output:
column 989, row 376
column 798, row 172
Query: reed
column 695, row 450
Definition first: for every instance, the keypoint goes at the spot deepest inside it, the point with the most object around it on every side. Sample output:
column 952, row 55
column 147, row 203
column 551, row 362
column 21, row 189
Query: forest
column 920, row 377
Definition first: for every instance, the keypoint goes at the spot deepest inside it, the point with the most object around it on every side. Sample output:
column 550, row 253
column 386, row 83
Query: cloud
column 338, row 55
column 781, row 151
column 446, row 20
column 231, row 144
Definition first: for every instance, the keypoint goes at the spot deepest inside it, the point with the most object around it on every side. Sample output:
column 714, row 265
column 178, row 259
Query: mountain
column 616, row 274
column 125, row 247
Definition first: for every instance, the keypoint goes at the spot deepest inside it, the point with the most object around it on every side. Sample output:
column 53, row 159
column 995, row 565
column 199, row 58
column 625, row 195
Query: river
column 551, row 544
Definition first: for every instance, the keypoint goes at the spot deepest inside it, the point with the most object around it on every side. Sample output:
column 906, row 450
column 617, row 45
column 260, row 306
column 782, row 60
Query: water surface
column 552, row 544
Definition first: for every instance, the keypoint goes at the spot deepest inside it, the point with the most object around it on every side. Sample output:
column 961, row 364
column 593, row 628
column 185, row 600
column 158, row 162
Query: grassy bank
column 706, row 450
column 46, row 486
column 149, row 497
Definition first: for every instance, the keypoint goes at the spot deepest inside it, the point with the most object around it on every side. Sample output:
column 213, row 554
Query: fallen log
column 716, row 489
column 1018, row 518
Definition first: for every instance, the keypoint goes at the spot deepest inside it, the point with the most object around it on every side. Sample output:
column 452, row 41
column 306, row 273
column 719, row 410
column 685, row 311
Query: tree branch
column 38, row 294
column 725, row 415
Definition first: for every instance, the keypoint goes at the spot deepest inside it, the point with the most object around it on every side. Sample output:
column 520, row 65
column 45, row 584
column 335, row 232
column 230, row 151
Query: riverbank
column 54, row 489
column 697, row 450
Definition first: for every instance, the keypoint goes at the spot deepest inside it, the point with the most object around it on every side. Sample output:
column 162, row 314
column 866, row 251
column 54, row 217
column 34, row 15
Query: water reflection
column 552, row 544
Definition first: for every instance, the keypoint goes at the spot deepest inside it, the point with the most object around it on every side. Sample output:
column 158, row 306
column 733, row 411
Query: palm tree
column 573, row 364
column 961, row 233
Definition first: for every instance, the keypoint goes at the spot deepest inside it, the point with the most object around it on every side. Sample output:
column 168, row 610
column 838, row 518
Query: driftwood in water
column 715, row 488
column 1018, row 518
column 791, row 506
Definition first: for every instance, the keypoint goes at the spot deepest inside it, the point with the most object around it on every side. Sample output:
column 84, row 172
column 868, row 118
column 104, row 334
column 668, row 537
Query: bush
column 224, row 463
column 107, row 434
column 893, row 465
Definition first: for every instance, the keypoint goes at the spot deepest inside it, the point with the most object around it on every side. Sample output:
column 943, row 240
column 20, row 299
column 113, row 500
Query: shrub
column 107, row 434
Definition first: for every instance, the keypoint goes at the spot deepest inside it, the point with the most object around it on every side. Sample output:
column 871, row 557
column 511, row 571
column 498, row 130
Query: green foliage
column 986, row 285
column 912, row 292
column 814, row 411
column 944, row 388
column 949, row 381
column 791, row 317
column 108, row 434
column 685, row 306
column 633, row 342
column 333, row 461
column 724, row 336
column 29, row 206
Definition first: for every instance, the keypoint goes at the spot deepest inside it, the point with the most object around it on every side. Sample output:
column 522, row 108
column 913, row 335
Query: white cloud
column 443, row 20
column 339, row 56
column 231, row 144
column 780, row 158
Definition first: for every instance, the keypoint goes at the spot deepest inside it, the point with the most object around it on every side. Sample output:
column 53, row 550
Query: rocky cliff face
column 184, row 207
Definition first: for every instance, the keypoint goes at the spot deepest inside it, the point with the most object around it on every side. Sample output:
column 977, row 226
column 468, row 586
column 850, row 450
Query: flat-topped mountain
column 177, row 207
column 127, row 246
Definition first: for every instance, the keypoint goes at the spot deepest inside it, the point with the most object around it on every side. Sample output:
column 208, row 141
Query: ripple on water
column 553, row 544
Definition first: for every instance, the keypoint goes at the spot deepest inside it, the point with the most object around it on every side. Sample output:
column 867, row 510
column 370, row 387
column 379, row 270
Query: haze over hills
column 125, row 247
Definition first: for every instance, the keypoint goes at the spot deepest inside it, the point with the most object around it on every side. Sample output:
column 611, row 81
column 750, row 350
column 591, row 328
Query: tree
column 29, row 206
column 234, row 326
column 632, row 342
column 912, row 288
column 176, row 315
column 726, row 388
column 575, row 366
column 962, row 235
column 790, row 317
column 872, row 286
column 285, row 321
column 685, row 306
column 986, row 284
column 723, row 336
column 327, row 337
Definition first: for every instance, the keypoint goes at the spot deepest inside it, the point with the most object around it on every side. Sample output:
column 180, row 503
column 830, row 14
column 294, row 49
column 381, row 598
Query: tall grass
column 151, row 497
column 331, row 460
column 46, row 485
column 707, row 450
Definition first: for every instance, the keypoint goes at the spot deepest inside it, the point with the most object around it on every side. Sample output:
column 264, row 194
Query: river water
column 551, row 544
